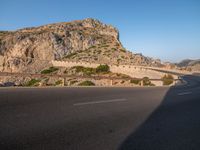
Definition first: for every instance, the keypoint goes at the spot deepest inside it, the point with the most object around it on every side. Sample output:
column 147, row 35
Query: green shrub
column 32, row 82
column 50, row 70
column 135, row 81
column 73, row 82
column 167, row 79
column 89, row 71
column 59, row 82
column 78, row 68
column 146, row 81
column 103, row 69
column 84, row 70
column 86, row 83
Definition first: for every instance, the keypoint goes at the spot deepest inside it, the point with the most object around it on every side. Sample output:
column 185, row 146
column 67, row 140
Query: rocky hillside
column 89, row 40
column 188, row 64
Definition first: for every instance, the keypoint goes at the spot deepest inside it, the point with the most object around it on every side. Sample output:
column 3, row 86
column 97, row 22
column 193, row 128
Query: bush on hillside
column 84, row 70
column 147, row 82
column 103, row 69
column 59, row 82
column 135, row 81
column 86, row 83
column 90, row 71
column 32, row 82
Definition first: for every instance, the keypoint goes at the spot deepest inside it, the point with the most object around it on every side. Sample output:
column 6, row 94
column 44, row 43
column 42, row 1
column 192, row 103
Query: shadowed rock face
column 33, row 49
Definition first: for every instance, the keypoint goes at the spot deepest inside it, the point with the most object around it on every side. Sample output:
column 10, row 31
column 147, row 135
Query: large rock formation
column 33, row 49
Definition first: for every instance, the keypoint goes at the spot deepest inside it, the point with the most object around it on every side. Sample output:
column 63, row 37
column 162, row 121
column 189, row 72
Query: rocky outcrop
column 33, row 49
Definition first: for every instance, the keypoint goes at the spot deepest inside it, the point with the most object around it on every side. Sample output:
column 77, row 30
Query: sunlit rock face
column 33, row 49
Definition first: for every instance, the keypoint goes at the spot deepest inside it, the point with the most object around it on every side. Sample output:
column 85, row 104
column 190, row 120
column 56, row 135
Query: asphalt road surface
column 156, row 118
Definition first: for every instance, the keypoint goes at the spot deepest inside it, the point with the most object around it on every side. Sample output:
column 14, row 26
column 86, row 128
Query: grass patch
column 50, row 70
column 86, row 83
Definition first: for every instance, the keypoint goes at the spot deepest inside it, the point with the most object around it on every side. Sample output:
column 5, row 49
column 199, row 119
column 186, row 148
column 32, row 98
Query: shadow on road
column 174, row 125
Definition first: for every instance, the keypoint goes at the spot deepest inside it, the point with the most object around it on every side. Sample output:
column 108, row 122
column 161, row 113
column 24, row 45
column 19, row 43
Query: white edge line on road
column 98, row 102
column 184, row 93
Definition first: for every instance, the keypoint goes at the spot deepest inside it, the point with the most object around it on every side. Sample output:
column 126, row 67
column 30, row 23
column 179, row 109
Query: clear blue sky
column 165, row 29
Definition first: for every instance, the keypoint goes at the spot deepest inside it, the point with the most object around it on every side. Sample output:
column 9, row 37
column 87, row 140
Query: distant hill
column 189, row 64
column 88, row 40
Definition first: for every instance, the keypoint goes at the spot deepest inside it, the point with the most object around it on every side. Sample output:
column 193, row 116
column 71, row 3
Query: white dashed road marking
column 184, row 93
column 99, row 102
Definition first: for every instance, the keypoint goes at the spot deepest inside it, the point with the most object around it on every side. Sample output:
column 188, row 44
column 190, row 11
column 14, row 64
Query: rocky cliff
column 89, row 40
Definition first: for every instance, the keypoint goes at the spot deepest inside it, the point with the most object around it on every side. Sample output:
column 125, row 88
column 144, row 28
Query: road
column 141, row 118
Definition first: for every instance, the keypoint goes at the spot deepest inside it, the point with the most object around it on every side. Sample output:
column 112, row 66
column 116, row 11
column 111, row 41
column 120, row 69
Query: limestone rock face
column 33, row 49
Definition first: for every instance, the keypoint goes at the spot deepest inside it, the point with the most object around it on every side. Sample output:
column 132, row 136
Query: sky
column 165, row 29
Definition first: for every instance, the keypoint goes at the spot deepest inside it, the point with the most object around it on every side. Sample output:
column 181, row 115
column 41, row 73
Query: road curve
column 156, row 118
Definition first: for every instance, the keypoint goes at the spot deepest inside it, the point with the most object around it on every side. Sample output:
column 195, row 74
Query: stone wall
column 177, row 71
column 68, row 64
column 133, row 71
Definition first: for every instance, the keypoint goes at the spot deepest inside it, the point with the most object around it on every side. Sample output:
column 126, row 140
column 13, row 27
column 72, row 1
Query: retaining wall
column 132, row 71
